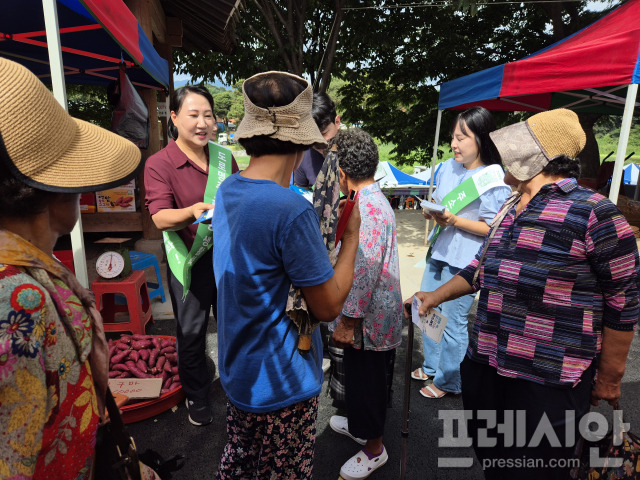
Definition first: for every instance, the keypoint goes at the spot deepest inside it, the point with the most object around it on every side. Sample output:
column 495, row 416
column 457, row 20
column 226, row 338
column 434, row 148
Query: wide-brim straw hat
column 290, row 123
column 527, row 147
column 46, row 148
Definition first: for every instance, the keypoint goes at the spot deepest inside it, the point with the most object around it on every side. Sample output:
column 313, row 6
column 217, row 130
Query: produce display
column 145, row 356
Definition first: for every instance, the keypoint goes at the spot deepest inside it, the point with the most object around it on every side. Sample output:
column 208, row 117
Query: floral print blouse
column 48, row 409
column 375, row 295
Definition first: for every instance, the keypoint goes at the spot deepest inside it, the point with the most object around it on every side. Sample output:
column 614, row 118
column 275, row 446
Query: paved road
column 170, row 433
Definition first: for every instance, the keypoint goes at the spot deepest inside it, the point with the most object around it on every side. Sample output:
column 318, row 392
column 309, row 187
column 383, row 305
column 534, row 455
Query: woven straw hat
column 290, row 123
column 46, row 148
column 527, row 147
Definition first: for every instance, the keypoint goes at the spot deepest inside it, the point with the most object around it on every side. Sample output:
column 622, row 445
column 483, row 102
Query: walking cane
column 407, row 390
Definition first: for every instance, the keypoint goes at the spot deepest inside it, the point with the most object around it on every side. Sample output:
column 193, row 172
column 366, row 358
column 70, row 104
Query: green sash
column 468, row 191
column 180, row 260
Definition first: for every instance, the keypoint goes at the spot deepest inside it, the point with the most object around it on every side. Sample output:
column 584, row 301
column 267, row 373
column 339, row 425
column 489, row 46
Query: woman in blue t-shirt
column 460, row 238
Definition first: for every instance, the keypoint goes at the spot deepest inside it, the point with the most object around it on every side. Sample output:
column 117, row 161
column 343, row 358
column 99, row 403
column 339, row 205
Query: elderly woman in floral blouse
column 53, row 352
column 370, row 327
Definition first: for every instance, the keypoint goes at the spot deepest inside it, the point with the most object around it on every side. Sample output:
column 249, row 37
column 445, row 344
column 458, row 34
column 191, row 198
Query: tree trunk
column 332, row 42
column 590, row 156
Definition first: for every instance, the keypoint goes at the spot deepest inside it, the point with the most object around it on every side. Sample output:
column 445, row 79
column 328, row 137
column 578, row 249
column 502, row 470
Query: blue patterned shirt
column 551, row 278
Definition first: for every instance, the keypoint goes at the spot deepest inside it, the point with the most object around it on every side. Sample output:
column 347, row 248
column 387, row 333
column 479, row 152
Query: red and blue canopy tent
column 96, row 36
column 596, row 70
column 79, row 41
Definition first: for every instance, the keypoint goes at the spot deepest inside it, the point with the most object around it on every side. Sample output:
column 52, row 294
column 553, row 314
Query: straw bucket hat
column 46, row 148
column 527, row 147
column 290, row 123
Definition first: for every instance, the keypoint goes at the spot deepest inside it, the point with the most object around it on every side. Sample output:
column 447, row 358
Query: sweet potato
column 114, row 374
column 160, row 362
column 122, row 346
column 140, row 344
column 172, row 357
column 144, row 355
column 134, row 355
column 119, row 357
column 153, row 357
column 120, row 367
column 142, row 366
column 139, row 336
column 167, row 383
column 140, row 374
column 169, row 349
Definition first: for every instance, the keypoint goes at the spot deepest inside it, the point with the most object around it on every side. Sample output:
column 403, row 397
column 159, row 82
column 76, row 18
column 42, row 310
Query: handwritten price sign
column 136, row 387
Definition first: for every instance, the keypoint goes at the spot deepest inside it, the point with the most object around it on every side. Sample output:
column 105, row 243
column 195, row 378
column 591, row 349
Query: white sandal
column 418, row 374
column 359, row 466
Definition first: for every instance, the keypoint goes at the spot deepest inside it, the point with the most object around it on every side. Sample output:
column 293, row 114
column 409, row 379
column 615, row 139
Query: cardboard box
column 119, row 199
column 88, row 202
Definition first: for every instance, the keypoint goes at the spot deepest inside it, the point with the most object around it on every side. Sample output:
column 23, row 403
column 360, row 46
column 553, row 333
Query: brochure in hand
column 432, row 324
column 207, row 215
column 308, row 194
column 432, row 207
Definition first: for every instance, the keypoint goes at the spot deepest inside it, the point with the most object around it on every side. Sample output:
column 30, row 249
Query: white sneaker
column 360, row 466
column 340, row 424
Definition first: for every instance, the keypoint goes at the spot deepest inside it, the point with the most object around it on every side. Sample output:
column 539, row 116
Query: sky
column 182, row 79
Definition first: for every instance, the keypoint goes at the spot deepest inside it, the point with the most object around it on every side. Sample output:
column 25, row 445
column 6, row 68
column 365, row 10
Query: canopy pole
column 627, row 116
column 434, row 158
column 59, row 91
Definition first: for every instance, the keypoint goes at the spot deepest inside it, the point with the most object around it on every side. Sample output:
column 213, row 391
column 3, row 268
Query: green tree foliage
column 236, row 111
column 222, row 102
column 297, row 36
column 388, row 56
column 89, row 103
column 391, row 90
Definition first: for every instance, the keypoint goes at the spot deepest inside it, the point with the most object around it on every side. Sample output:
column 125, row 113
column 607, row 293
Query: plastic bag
column 130, row 117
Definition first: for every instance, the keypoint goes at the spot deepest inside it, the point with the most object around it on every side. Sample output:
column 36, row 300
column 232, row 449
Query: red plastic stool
column 138, row 305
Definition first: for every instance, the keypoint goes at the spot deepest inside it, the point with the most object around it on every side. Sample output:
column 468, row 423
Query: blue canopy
column 393, row 177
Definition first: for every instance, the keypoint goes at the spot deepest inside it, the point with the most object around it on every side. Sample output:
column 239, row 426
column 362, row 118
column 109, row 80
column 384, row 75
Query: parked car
column 223, row 138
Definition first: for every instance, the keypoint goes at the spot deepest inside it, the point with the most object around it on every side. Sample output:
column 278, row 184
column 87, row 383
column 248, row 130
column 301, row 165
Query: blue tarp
column 405, row 178
column 630, row 175
column 390, row 176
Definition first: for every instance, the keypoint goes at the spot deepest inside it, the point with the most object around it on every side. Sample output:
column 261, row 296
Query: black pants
column 192, row 320
column 367, row 391
column 484, row 389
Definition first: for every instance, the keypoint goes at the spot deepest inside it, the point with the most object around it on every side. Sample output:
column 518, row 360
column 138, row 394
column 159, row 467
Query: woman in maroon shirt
column 175, row 182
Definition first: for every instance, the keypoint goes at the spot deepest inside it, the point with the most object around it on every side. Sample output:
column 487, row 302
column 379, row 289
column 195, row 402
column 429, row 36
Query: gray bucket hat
column 527, row 147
